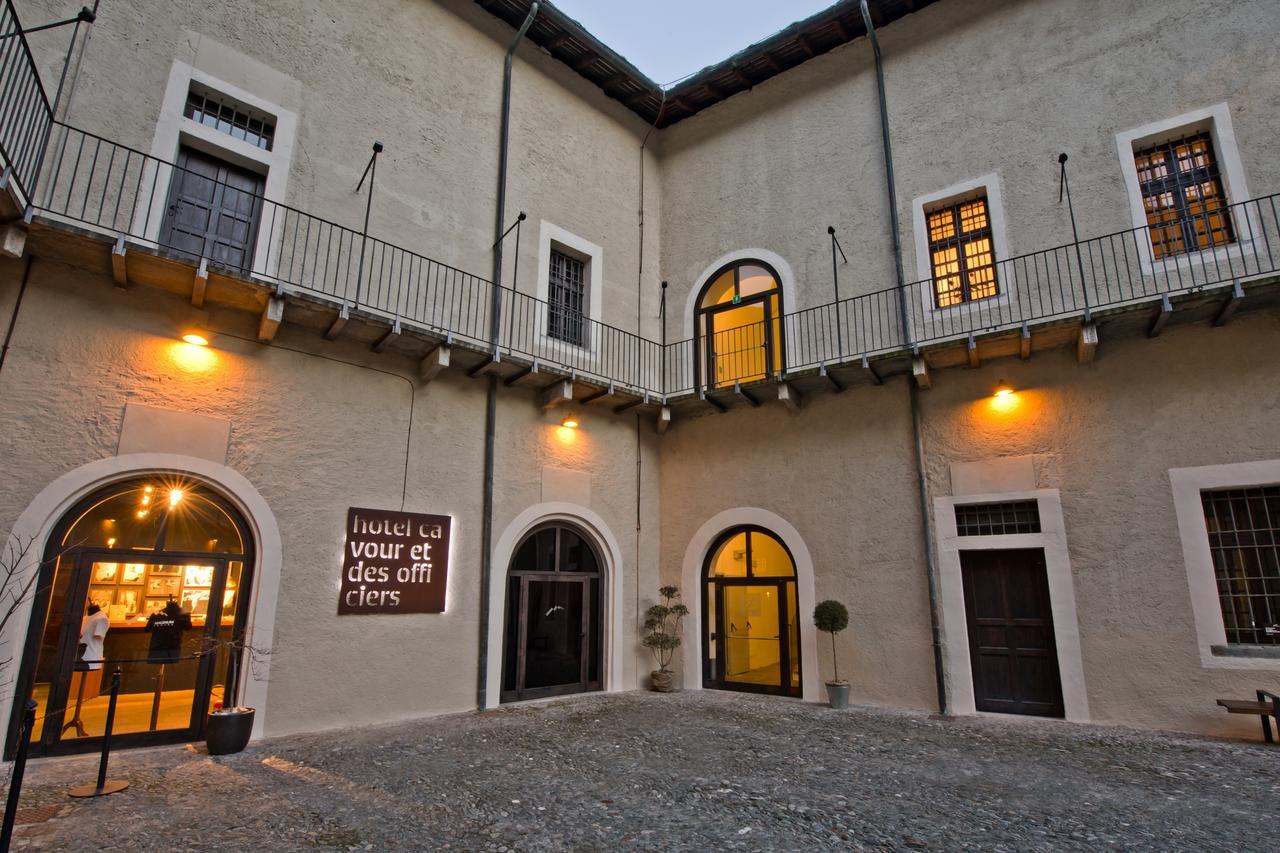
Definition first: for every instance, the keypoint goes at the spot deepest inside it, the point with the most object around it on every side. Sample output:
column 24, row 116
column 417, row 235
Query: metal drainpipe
column 491, row 397
column 926, row 520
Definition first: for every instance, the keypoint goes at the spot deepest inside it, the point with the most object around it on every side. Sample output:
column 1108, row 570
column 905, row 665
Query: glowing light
column 142, row 513
column 192, row 358
column 1003, row 389
column 111, row 542
column 149, row 489
column 569, row 422
column 146, row 499
column 196, row 339
column 175, row 497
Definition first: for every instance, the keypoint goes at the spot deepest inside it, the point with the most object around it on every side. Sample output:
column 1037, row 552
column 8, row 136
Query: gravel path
column 686, row 771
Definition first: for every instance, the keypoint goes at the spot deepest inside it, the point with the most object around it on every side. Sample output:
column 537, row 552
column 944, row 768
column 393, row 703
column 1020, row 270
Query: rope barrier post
column 103, row 786
column 15, row 782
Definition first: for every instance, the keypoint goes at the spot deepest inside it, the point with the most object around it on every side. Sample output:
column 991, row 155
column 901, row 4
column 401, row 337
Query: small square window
column 1183, row 197
column 962, row 252
column 567, row 299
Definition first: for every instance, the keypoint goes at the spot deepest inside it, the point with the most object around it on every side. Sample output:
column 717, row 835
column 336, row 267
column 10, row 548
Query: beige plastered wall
column 974, row 88
column 1105, row 435
column 422, row 76
column 315, row 436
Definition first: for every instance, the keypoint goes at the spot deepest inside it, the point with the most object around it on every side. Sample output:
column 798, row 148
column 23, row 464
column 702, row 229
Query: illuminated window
column 567, row 299
column 1182, row 196
column 962, row 252
column 739, row 325
column 1244, row 542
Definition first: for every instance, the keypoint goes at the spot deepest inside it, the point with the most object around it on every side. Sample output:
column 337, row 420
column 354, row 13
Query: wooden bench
column 1267, row 706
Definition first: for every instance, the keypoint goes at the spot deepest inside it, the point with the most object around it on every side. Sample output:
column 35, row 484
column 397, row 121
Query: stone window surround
column 553, row 237
column 990, row 186
column 1215, row 119
column 955, row 628
column 1211, row 632
column 174, row 129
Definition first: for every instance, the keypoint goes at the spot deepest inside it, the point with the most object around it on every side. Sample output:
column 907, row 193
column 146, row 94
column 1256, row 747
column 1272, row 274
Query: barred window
column 998, row 519
column 225, row 115
column 962, row 253
column 1182, row 195
column 1244, row 541
column 566, row 300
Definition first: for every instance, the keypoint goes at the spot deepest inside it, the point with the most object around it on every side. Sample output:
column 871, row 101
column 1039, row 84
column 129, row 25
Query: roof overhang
column 569, row 42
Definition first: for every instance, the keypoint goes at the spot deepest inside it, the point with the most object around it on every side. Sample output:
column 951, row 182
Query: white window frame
column 1211, row 631
column 174, row 130
column 1216, row 120
column 1052, row 540
column 988, row 185
column 551, row 236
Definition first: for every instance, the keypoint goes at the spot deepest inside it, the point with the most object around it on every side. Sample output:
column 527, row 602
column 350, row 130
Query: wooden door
column 213, row 212
column 1011, row 640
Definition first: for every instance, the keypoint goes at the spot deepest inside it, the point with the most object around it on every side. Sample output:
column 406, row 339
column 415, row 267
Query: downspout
column 491, row 396
column 926, row 519
column 17, row 306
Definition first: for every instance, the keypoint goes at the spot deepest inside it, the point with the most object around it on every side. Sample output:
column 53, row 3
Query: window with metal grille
column 962, row 252
column 998, row 519
column 567, row 299
column 221, row 113
column 1244, row 541
column 1182, row 195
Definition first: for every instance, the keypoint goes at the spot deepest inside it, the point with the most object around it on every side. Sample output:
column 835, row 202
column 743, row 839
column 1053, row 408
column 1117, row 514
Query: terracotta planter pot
column 661, row 681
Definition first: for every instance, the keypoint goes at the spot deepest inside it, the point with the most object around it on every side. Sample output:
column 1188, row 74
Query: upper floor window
column 567, row 299
column 961, row 252
column 738, row 326
column 237, row 121
column 1244, row 542
column 1182, row 195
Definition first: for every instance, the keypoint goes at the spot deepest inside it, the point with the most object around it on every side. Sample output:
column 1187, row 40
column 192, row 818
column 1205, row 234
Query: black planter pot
column 227, row 731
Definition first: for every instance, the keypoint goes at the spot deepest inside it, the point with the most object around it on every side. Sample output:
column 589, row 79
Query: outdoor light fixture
column 175, row 497
column 1003, row 389
column 570, row 422
column 196, row 337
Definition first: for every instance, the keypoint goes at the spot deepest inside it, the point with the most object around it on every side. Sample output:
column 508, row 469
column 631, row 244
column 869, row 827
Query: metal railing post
column 15, row 780
column 662, row 319
column 1065, row 188
column 370, row 171
column 835, row 280
column 103, row 787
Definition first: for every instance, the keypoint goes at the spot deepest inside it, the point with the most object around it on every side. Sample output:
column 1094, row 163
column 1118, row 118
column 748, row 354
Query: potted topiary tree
column 662, row 635
column 832, row 617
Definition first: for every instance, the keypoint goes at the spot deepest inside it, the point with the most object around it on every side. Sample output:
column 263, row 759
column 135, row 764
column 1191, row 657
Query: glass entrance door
column 157, row 621
column 752, row 640
column 554, row 636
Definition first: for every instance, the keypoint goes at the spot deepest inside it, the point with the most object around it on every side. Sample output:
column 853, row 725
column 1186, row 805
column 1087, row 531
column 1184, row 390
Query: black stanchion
column 15, row 782
column 103, row 786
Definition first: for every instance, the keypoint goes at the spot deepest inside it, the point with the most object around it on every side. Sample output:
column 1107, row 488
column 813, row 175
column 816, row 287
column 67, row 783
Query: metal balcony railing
column 73, row 176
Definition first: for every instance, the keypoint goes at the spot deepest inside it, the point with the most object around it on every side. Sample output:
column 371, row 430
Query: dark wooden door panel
column 214, row 209
column 1011, row 641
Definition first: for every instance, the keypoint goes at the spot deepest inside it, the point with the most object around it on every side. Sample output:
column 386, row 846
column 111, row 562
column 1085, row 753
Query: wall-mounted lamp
column 570, row 422
column 196, row 337
column 1003, row 389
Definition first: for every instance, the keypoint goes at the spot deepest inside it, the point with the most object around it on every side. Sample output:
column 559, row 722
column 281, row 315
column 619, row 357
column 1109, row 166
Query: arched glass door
column 150, row 576
column 738, row 329
column 552, row 644
column 751, row 619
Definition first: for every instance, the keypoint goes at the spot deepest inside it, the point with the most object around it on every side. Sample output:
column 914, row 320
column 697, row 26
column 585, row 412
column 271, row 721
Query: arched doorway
column 552, row 640
column 165, row 563
column 751, row 619
column 738, row 325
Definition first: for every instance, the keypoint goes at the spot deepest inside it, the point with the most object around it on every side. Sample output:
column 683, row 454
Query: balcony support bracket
column 269, row 323
column 434, row 362
column 836, row 385
column 876, row 378
column 491, row 361
column 391, row 334
column 596, row 395
column 663, row 421
column 1229, row 307
column 737, row 389
column 712, row 402
column 920, row 372
column 1159, row 321
column 559, row 392
column 335, row 328
column 119, row 270
column 1087, row 343
column 13, row 240
column 200, row 283
column 971, row 346
column 790, row 396
column 1024, row 343
column 529, row 370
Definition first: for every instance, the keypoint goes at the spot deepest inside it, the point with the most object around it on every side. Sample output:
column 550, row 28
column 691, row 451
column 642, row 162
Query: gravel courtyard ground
column 702, row 770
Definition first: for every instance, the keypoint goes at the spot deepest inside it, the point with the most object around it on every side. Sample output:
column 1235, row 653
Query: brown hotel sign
column 394, row 562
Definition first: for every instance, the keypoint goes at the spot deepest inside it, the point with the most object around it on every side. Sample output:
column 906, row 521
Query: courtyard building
column 366, row 362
